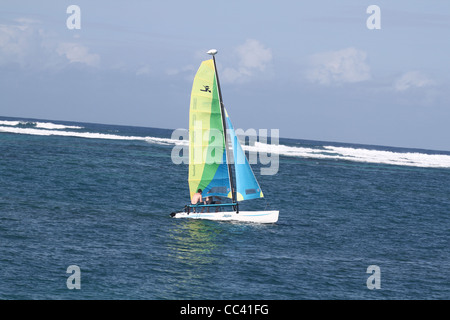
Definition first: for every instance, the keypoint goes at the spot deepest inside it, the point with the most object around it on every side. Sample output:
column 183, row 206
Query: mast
column 222, row 109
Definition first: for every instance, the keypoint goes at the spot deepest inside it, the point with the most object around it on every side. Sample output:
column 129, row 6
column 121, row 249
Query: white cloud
column 174, row 71
column 252, row 57
column 412, row 79
column 27, row 44
column 18, row 41
column 143, row 70
column 337, row 67
column 75, row 52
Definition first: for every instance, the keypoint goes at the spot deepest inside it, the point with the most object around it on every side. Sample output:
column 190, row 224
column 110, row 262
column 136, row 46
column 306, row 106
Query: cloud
column 75, row 52
column 176, row 71
column 26, row 43
column 187, row 72
column 412, row 79
column 338, row 67
column 252, row 57
column 18, row 41
column 143, row 70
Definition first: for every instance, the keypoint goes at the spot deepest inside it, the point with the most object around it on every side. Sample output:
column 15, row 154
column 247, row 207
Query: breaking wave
column 415, row 159
column 327, row 152
column 43, row 125
column 87, row 135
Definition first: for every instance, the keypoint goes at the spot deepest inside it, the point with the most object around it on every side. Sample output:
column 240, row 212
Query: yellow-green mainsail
column 208, row 168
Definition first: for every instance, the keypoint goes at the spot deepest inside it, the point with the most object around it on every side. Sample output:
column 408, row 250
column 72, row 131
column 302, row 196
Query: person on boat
column 218, row 202
column 197, row 198
column 210, row 200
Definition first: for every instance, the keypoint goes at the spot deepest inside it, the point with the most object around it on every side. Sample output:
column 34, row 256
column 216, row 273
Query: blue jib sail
column 246, row 185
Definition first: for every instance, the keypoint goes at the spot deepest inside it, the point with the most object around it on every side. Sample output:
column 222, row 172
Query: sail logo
column 206, row 89
column 261, row 148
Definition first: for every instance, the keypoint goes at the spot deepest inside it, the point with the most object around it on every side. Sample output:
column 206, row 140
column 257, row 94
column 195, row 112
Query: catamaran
column 211, row 158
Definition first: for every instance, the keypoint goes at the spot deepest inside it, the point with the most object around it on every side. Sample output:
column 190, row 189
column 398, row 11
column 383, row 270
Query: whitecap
column 54, row 126
column 416, row 159
column 43, row 125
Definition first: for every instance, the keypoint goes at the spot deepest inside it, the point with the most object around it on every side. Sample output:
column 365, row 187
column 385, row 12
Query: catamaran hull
column 242, row 216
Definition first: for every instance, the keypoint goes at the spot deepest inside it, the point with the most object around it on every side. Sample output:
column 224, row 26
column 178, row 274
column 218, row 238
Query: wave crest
column 43, row 125
column 416, row 159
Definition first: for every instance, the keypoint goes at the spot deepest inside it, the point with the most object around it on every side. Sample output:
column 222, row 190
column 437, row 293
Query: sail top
column 212, row 52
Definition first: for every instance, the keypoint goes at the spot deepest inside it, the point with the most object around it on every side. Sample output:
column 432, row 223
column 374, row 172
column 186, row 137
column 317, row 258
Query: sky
column 312, row 69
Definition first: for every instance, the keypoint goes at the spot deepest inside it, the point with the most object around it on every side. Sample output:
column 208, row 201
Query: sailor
column 197, row 198
column 210, row 200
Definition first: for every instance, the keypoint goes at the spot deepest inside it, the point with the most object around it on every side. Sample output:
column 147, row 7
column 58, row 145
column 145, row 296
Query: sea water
column 98, row 197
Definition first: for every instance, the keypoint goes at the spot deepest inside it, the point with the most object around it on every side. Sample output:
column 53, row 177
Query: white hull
column 243, row 216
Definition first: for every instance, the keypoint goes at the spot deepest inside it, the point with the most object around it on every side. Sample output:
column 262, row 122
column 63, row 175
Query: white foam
column 9, row 123
column 396, row 158
column 88, row 135
column 416, row 159
column 44, row 125
column 53, row 126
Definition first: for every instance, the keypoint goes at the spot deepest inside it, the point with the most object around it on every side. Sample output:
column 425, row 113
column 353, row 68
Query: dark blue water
column 103, row 204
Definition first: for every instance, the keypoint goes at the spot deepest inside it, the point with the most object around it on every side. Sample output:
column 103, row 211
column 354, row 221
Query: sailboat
column 214, row 150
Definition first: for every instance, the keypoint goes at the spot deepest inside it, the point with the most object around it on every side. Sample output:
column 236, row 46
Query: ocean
column 356, row 221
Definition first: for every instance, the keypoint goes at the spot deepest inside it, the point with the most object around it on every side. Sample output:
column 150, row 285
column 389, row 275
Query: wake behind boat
column 212, row 159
